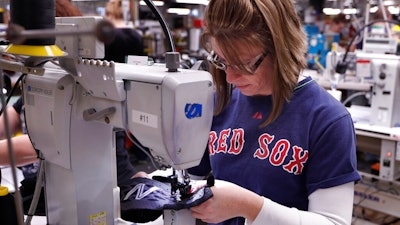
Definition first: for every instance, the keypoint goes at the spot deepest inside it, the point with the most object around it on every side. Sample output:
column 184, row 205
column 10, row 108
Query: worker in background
column 338, row 26
column 25, row 155
column 23, row 149
column 127, row 40
column 6, row 15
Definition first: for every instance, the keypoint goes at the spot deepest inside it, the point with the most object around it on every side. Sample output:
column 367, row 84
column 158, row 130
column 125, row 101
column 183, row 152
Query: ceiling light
column 394, row 10
column 348, row 11
column 156, row 3
column 373, row 9
column 179, row 11
column 331, row 11
column 198, row 2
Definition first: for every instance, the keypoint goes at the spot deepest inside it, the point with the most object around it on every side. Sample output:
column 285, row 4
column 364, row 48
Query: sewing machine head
column 75, row 106
column 374, row 75
column 168, row 112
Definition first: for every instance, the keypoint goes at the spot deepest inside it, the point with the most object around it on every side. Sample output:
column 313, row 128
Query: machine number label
column 143, row 118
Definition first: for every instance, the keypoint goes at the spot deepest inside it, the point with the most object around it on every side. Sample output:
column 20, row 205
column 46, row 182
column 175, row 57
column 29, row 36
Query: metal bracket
column 19, row 67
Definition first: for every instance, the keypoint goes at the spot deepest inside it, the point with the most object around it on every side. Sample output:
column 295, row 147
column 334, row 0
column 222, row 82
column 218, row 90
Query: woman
column 127, row 41
column 281, row 148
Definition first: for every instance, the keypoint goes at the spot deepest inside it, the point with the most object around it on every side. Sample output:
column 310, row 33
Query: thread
column 34, row 14
column 8, row 214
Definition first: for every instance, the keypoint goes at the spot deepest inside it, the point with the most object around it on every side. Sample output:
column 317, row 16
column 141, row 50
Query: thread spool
column 37, row 14
column 8, row 212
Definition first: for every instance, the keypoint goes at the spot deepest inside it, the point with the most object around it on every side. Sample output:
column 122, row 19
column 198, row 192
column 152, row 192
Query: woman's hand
column 229, row 200
column 141, row 174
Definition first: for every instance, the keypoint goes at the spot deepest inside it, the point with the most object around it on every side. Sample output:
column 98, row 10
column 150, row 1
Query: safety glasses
column 250, row 67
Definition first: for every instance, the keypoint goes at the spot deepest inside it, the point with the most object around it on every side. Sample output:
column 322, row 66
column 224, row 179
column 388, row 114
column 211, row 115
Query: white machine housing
column 382, row 72
column 71, row 119
column 74, row 106
column 385, row 100
column 84, row 45
column 380, row 45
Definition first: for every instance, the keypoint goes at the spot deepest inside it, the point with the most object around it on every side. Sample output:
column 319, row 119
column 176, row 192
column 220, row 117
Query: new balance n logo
column 140, row 193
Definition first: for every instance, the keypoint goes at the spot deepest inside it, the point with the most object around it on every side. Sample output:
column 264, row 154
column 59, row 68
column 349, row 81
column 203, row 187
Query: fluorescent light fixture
column 387, row 2
column 349, row 11
column 179, row 11
column 373, row 9
column 156, row 3
column 198, row 2
column 331, row 11
column 392, row 9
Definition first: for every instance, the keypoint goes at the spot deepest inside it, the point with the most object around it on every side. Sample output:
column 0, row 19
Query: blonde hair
column 270, row 24
column 114, row 10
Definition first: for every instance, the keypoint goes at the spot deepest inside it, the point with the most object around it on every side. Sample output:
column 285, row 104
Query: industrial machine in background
column 372, row 75
column 376, row 77
column 318, row 46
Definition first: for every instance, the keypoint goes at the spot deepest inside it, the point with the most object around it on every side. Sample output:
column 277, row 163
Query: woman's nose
column 231, row 74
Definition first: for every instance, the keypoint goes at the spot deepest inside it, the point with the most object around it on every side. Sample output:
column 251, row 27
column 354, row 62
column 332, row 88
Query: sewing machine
column 377, row 75
column 73, row 110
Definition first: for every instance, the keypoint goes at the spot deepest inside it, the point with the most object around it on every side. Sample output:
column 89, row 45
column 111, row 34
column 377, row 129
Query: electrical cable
column 18, row 199
column 348, row 99
column 128, row 134
column 13, row 90
column 356, row 24
column 37, row 192
column 167, row 34
column 162, row 22
column 341, row 67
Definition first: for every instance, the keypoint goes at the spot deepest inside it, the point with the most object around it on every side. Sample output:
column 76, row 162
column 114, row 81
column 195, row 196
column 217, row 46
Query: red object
column 363, row 61
column 197, row 23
